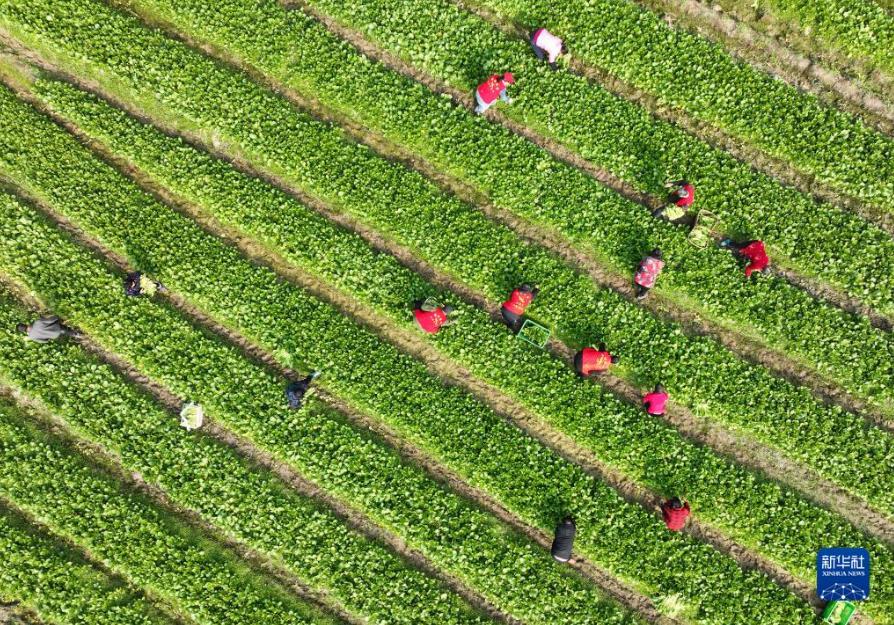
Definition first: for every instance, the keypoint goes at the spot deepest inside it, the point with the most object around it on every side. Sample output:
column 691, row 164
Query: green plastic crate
column 534, row 333
column 839, row 612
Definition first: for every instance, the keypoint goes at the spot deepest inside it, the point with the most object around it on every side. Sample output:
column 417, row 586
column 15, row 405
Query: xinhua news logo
column 842, row 574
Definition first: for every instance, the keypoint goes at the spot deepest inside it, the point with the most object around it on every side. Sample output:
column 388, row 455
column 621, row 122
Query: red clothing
column 654, row 403
column 489, row 91
column 593, row 360
column 686, row 201
column 518, row 302
column 675, row 519
column 648, row 272
column 755, row 253
column 432, row 321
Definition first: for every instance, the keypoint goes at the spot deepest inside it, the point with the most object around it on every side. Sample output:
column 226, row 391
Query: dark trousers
column 296, row 390
column 540, row 52
column 512, row 320
column 640, row 289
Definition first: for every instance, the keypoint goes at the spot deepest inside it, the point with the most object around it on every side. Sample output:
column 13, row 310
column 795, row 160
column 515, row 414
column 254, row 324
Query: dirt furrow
column 408, row 342
column 710, row 134
column 783, row 58
column 741, row 448
column 752, row 349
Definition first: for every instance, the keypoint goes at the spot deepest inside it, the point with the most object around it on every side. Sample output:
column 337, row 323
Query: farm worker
column 678, row 202
column 296, row 391
column 592, row 361
column 493, row 88
column 513, row 309
column 431, row 317
column 675, row 513
column 564, row 540
column 547, row 46
column 136, row 284
column 753, row 251
column 654, row 402
column 647, row 273
column 45, row 329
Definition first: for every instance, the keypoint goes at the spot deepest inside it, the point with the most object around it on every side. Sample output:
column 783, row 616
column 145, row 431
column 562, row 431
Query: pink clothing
column 648, row 272
column 548, row 42
column 654, row 403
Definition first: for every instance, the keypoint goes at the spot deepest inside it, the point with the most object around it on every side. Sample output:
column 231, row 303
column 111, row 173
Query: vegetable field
column 298, row 175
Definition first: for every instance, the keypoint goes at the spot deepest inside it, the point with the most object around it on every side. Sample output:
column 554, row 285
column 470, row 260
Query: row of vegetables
column 525, row 477
column 274, row 136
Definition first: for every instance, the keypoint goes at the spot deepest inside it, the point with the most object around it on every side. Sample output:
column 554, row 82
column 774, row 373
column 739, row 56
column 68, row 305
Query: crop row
column 526, row 477
column 860, row 29
column 316, row 158
column 198, row 473
column 704, row 81
column 698, row 372
column 58, row 585
column 818, row 239
column 620, row 434
column 134, row 538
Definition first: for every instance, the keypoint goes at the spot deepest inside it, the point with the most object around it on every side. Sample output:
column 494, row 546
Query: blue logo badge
column 842, row 574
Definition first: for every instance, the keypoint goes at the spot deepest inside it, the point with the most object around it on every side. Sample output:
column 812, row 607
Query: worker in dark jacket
column 564, row 540
column 681, row 197
column 296, row 391
column 647, row 273
column 513, row 309
column 752, row 251
column 675, row 513
column 46, row 329
column 493, row 89
column 655, row 401
column 547, row 47
column 592, row 361
column 136, row 284
column 431, row 317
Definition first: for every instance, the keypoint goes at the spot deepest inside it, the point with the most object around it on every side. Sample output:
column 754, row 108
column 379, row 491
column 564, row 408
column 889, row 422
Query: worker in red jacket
column 681, row 197
column 592, row 361
column 753, row 252
column 675, row 513
column 654, row 402
column 491, row 90
column 547, row 46
column 432, row 317
column 647, row 273
column 513, row 309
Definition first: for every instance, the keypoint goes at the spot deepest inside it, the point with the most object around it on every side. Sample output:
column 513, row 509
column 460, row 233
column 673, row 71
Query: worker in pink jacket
column 491, row 90
column 547, row 46
column 647, row 273
column 655, row 401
